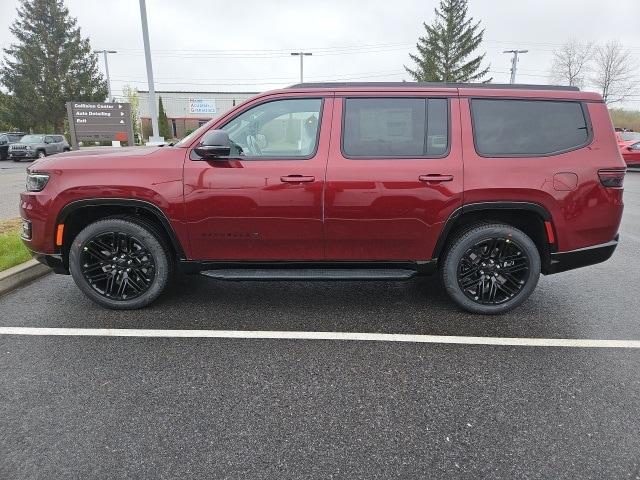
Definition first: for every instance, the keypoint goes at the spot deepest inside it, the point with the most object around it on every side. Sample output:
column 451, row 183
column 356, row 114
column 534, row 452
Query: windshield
column 189, row 138
column 628, row 136
column 33, row 139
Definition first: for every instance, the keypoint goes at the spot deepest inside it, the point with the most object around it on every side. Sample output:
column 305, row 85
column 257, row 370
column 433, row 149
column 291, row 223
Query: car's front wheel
column 491, row 268
column 121, row 263
column 41, row 154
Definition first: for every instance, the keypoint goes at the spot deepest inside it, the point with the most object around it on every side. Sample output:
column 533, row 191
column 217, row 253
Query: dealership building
column 186, row 111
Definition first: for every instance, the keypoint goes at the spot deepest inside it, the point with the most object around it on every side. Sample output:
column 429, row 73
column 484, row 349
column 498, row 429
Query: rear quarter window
column 503, row 128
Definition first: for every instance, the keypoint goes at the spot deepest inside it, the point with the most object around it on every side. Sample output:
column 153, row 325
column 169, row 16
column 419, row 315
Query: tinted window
column 395, row 127
column 629, row 136
column 282, row 128
column 58, row 138
column 15, row 138
column 527, row 127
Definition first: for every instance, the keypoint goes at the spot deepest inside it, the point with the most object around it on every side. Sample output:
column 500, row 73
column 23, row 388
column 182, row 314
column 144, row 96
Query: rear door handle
column 297, row 178
column 435, row 178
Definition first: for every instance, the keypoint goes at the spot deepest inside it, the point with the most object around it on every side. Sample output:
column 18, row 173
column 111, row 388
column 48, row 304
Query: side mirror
column 215, row 145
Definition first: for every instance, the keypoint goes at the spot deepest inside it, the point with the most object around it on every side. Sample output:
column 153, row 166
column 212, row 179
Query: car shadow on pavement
column 559, row 308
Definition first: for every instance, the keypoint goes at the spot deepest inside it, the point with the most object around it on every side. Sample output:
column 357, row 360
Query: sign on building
column 99, row 122
column 205, row 106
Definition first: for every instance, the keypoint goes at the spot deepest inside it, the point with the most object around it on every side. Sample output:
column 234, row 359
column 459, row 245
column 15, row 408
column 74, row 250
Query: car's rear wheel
column 42, row 154
column 121, row 263
column 491, row 268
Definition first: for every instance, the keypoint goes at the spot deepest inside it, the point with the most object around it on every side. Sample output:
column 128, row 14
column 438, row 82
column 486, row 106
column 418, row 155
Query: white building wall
column 176, row 104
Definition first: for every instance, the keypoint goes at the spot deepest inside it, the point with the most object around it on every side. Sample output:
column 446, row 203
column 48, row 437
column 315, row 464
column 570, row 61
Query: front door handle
column 435, row 178
column 297, row 178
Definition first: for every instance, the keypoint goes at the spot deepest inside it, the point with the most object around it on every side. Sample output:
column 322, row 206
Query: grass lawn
column 12, row 251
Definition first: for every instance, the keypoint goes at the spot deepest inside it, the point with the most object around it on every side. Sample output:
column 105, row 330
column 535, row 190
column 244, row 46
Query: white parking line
column 363, row 337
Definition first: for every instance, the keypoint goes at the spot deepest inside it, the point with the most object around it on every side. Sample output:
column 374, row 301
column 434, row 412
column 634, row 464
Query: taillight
column 612, row 177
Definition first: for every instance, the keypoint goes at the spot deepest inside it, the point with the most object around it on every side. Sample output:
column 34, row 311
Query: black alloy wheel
column 121, row 262
column 490, row 268
column 117, row 265
column 493, row 271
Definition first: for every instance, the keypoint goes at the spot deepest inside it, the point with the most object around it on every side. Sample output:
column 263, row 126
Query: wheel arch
column 80, row 213
column 526, row 216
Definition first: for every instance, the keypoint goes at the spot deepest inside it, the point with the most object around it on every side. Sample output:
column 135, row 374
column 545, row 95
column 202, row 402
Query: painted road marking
column 349, row 336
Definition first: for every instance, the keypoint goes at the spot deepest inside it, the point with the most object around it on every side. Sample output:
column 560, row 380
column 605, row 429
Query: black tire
column 156, row 262
column 41, row 154
column 472, row 265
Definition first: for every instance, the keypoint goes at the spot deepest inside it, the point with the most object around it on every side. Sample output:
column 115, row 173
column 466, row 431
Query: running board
column 310, row 274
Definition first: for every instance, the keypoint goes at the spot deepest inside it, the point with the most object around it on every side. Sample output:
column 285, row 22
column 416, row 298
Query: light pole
column 514, row 62
column 106, row 67
column 153, row 109
column 301, row 55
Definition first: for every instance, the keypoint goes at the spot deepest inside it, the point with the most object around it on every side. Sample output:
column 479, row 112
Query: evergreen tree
column 163, row 122
column 443, row 51
column 4, row 112
column 49, row 65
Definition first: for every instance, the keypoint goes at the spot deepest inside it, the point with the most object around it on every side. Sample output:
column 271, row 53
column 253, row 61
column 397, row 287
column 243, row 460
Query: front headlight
column 635, row 146
column 36, row 181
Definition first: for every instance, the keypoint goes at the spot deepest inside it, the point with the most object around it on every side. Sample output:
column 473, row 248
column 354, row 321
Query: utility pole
column 153, row 108
column 106, row 67
column 514, row 62
column 301, row 55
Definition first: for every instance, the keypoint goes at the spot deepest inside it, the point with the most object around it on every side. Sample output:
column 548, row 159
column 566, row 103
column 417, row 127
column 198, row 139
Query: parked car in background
column 344, row 182
column 6, row 139
column 38, row 146
column 629, row 144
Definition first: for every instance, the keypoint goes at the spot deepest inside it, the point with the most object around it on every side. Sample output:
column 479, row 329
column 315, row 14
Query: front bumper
column 22, row 154
column 52, row 261
column 563, row 261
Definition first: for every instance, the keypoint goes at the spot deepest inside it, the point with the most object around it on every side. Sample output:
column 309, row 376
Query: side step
column 310, row 274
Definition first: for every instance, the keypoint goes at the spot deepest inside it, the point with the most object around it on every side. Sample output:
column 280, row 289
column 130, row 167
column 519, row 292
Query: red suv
column 489, row 185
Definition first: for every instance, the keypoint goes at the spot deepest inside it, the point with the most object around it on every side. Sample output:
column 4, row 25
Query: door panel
column 379, row 208
column 261, row 208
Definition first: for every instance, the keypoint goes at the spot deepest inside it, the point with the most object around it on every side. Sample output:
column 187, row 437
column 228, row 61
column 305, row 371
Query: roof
column 501, row 86
column 160, row 92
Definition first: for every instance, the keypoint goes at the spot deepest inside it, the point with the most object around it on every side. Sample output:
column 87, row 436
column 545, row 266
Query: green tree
column 443, row 52
column 49, row 64
column 4, row 112
column 163, row 122
column 131, row 96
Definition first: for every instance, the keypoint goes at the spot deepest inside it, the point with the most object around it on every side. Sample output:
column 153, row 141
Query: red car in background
column 629, row 143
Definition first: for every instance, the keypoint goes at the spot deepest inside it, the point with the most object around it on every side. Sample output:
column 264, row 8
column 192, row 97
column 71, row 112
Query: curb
column 17, row 276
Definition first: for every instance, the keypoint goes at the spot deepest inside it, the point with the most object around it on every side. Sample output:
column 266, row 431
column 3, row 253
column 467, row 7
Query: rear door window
column 503, row 128
column 395, row 127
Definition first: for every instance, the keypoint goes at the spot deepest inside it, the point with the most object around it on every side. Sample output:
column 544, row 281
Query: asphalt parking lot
column 12, row 178
column 112, row 407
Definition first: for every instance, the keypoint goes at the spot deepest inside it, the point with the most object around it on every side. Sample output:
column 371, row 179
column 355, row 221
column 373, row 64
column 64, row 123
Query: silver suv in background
column 38, row 146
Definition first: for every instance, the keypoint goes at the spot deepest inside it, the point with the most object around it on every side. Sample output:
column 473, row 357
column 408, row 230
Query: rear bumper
column 563, row 261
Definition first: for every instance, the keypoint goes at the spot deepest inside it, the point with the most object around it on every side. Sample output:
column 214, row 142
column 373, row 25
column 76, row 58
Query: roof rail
column 514, row 86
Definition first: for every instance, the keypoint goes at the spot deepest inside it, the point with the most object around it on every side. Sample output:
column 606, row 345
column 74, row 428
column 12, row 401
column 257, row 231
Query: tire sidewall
column 145, row 236
column 470, row 238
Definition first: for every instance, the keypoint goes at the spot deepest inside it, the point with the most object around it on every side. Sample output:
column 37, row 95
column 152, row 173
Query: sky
column 245, row 45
